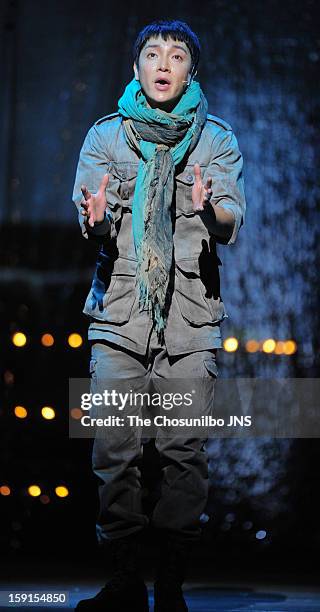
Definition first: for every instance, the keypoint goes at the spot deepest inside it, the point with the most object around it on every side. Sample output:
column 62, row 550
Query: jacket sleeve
column 227, row 180
column 93, row 164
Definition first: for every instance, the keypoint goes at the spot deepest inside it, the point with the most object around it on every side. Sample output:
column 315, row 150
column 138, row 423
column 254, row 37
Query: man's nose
column 164, row 65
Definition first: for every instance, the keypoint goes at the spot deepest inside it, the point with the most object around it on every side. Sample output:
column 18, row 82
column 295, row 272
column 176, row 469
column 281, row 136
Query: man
column 158, row 184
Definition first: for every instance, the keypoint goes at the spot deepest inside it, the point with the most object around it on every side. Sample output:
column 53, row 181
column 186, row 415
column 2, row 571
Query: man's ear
column 136, row 73
column 189, row 79
column 191, row 76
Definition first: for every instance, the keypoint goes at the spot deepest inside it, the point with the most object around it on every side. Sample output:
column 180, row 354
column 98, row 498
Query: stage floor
column 200, row 596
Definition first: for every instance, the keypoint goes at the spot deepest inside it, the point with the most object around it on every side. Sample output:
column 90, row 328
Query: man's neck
column 164, row 106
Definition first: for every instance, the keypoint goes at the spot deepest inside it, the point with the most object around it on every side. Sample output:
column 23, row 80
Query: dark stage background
column 63, row 65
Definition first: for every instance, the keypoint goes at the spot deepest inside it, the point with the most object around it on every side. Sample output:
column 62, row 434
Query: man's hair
column 177, row 30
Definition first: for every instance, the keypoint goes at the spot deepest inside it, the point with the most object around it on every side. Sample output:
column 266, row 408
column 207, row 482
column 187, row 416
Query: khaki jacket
column 197, row 308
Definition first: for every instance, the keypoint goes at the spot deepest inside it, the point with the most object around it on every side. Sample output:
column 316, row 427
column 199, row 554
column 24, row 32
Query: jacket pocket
column 195, row 307
column 184, row 183
column 114, row 305
column 125, row 174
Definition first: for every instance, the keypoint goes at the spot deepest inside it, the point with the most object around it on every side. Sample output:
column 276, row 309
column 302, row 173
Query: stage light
column 8, row 377
column 279, row 350
column 5, row 490
column 247, row 525
column 76, row 413
column 61, row 491
column 20, row 412
column 47, row 340
column 290, row 347
column 204, row 518
column 252, row 346
column 45, row 499
column 268, row 345
column 48, row 412
column 260, row 535
column 19, row 339
column 34, row 490
column 75, row 340
column 230, row 344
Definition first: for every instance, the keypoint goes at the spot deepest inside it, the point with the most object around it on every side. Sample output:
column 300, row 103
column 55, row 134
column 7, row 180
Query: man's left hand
column 201, row 193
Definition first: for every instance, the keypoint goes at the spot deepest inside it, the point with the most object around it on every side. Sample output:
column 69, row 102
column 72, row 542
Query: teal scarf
column 162, row 139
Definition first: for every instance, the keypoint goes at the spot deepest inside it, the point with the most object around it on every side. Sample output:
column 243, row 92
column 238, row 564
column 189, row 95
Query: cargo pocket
column 126, row 175
column 185, row 182
column 118, row 300
column 211, row 366
column 195, row 307
column 92, row 369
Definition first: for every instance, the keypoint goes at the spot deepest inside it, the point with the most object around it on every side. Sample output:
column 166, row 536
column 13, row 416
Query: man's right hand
column 94, row 205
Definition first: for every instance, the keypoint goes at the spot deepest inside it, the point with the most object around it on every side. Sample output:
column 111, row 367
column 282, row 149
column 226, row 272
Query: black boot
column 172, row 562
column 126, row 589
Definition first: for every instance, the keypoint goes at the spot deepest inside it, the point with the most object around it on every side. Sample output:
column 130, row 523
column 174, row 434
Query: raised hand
column 94, row 205
column 201, row 194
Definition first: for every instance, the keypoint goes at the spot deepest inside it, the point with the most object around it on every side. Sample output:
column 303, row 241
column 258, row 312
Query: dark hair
column 177, row 30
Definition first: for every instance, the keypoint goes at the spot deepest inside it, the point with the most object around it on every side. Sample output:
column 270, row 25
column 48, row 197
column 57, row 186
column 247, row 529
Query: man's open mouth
column 162, row 84
column 162, row 81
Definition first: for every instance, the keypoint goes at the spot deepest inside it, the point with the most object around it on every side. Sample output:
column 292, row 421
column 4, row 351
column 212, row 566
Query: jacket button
column 123, row 175
column 189, row 178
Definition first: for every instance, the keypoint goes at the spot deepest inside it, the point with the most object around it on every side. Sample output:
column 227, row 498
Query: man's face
column 163, row 67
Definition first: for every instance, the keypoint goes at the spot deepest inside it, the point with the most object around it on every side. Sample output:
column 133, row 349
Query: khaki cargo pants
column 118, row 455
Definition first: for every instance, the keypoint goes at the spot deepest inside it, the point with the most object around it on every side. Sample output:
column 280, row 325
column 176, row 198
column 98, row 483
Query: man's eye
column 151, row 53
column 179, row 57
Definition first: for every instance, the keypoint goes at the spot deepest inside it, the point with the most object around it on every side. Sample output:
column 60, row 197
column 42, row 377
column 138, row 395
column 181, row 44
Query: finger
column 84, row 204
column 207, row 194
column 208, row 183
column 91, row 219
column 86, row 194
column 198, row 207
column 197, row 172
column 104, row 183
